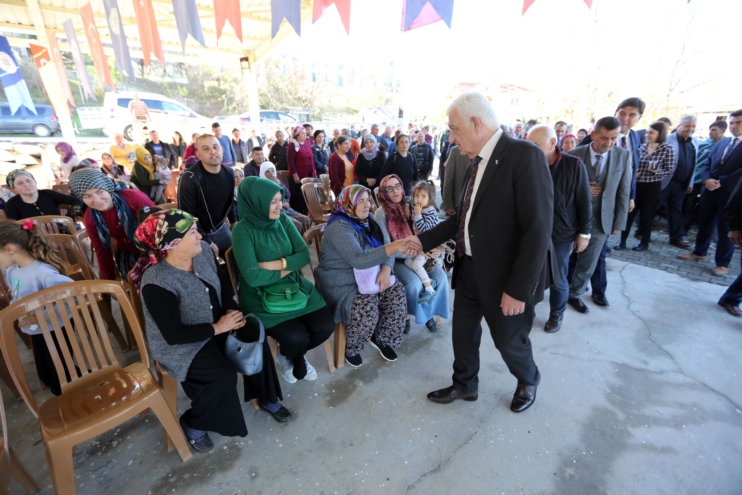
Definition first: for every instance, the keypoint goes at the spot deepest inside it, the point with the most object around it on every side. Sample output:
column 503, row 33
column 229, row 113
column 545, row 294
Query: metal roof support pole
column 65, row 120
column 249, row 73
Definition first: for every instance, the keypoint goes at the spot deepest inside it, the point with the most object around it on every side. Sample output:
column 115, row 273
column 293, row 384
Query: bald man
column 573, row 215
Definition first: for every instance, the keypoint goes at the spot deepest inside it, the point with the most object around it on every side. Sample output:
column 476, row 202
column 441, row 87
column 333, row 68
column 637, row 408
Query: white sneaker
column 287, row 367
column 311, row 372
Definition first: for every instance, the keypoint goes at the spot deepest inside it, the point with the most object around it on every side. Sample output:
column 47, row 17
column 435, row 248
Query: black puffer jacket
column 573, row 206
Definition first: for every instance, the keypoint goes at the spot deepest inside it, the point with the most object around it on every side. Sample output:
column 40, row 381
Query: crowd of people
column 557, row 195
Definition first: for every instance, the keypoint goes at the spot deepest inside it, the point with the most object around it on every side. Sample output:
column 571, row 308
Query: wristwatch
column 584, row 236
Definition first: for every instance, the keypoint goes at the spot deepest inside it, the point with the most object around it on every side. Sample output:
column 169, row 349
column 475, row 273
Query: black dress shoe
column 283, row 415
column 448, row 395
column 731, row 309
column 620, row 246
column 681, row 244
column 607, row 250
column 203, row 444
column 640, row 247
column 600, row 299
column 554, row 323
column 524, row 397
column 577, row 303
column 406, row 327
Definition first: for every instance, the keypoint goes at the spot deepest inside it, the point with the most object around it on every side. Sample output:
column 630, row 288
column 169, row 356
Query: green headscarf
column 254, row 198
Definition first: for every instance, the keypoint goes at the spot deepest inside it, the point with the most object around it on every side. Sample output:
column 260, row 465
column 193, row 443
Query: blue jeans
column 438, row 306
column 559, row 292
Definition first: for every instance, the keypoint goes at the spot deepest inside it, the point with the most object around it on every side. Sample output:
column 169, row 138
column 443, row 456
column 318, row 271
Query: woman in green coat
column 269, row 250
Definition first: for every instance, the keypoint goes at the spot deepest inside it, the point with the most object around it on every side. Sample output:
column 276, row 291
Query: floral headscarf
column 347, row 201
column 90, row 178
column 69, row 151
column 13, row 175
column 397, row 222
column 159, row 232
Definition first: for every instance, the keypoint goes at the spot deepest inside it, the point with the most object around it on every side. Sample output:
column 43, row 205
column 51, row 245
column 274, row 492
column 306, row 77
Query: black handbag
column 245, row 357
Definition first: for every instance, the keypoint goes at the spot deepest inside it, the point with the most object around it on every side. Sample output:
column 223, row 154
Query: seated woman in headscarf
column 112, row 169
column 189, row 308
column 143, row 175
column 353, row 246
column 270, row 251
column 30, row 201
column 111, row 214
column 395, row 219
column 302, row 222
column 68, row 159
column 5, row 195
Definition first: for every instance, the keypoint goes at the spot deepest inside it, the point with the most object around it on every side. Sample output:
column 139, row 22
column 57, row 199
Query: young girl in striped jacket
column 425, row 217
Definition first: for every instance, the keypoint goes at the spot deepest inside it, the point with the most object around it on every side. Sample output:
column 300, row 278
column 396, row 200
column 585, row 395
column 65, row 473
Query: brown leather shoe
column 524, row 397
column 691, row 257
column 448, row 395
column 731, row 309
column 720, row 271
column 680, row 244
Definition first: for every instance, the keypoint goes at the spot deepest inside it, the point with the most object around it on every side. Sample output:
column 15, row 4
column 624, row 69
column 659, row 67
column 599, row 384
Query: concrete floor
column 642, row 397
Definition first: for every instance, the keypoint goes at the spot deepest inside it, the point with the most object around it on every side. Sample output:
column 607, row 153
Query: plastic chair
column 3, row 216
column 314, row 234
column 63, row 188
column 284, row 176
column 326, row 181
column 169, row 206
column 309, row 180
column 312, row 196
column 171, row 191
column 235, row 279
column 100, row 394
column 10, row 464
column 70, row 253
column 51, row 223
column 5, row 298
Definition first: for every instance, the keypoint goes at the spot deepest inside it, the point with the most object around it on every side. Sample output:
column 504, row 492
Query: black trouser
column 45, row 364
column 510, row 333
column 674, row 195
column 647, row 195
column 300, row 334
column 222, row 237
column 691, row 207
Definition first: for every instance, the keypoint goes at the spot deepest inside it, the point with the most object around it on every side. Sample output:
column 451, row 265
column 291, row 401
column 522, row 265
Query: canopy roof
column 15, row 15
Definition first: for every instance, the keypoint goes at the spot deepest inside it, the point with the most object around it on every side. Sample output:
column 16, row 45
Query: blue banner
column 444, row 9
column 10, row 74
column 82, row 73
column 118, row 39
column 288, row 9
column 188, row 21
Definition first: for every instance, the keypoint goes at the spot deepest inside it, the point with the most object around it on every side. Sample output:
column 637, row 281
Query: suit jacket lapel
column 492, row 165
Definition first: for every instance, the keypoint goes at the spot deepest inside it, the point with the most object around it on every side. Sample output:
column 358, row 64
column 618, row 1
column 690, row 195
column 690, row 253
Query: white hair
column 548, row 130
column 688, row 117
column 474, row 104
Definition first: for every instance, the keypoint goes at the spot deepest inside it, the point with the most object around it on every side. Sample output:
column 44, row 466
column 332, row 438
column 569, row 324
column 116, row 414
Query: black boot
column 554, row 323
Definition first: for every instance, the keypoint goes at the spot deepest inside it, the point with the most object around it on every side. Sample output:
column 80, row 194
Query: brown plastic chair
column 51, row 223
column 376, row 195
column 283, row 176
column 234, row 277
column 313, row 198
column 101, row 394
column 10, row 464
column 314, row 234
column 78, row 269
column 326, row 181
column 63, row 188
column 171, row 191
column 5, row 298
column 309, row 180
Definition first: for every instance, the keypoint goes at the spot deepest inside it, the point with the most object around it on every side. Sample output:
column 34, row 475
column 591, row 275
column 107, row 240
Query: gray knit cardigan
column 195, row 308
column 343, row 248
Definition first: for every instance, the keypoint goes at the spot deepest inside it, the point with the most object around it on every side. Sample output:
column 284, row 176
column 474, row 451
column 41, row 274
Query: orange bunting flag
column 227, row 10
column 527, row 4
column 48, row 74
column 149, row 36
column 96, row 49
column 59, row 64
column 343, row 7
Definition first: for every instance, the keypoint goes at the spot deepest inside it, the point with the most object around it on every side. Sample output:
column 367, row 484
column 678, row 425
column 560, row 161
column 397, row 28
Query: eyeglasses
column 392, row 188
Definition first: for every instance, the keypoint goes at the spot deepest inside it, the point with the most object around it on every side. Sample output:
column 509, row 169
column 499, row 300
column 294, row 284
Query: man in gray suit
column 456, row 167
column 609, row 171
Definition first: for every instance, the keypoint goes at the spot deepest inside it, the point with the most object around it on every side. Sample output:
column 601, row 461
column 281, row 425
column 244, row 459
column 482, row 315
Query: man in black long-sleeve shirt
column 278, row 153
column 573, row 215
column 206, row 191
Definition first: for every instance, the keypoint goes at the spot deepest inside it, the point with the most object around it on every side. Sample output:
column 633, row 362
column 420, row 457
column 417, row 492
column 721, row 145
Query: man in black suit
column 720, row 175
column 733, row 219
column 502, row 226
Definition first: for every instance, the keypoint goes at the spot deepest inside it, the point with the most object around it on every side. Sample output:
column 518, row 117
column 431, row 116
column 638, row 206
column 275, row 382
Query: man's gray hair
column 688, row 117
column 550, row 132
column 474, row 104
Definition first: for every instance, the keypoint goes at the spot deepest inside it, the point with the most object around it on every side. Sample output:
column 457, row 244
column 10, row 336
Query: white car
column 167, row 116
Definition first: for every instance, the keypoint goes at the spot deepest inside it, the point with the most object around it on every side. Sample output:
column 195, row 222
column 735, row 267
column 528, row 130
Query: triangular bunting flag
column 343, row 7
column 418, row 13
column 96, row 49
column 149, row 36
column 285, row 9
column 527, row 4
column 228, row 10
column 188, row 21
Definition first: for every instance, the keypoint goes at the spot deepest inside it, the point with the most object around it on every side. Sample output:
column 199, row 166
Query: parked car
column 271, row 116
column 167, row 116
column 43, row 124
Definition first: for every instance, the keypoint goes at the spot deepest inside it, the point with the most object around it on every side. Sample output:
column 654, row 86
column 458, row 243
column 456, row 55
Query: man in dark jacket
column 206, row 191
column 278, row 153
column 733, row 220
column 252, row 169
column 158, row 148
column 573, row 215
column 423, row 152
column 241, row 152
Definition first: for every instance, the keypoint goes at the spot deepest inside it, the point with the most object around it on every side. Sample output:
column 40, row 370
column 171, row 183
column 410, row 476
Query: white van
column 167, row 117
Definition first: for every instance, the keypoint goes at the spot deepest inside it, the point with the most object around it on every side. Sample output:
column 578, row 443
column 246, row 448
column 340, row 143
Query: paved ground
column 642, row 397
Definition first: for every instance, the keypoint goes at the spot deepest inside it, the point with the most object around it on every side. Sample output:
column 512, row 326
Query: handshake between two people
column 411, row 246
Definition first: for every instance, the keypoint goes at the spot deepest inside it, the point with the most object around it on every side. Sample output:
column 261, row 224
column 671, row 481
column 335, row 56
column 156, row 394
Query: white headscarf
column 264, row 167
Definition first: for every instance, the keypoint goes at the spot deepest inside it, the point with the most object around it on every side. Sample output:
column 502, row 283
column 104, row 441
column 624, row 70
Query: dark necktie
column 596, row 165
column 623, row 143
column 729, row 150
column 460, row 242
